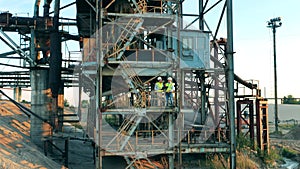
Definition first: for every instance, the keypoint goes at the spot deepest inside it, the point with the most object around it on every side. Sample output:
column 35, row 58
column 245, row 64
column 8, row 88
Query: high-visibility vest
column 158, row 86
column 170, row 87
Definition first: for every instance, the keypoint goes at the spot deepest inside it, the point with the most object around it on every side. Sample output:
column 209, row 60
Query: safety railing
column 149, row 99
column 156, row 138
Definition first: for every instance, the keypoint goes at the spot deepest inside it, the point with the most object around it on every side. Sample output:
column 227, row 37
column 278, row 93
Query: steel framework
column 125, row 46
column 135, row 42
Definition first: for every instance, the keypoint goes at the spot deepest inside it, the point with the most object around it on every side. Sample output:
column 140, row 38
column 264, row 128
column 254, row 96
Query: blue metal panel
column 195, row 49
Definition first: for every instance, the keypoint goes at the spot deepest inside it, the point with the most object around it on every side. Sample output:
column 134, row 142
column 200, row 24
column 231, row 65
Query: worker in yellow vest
column 159, row 90
column 169, row 92
column 159, row 85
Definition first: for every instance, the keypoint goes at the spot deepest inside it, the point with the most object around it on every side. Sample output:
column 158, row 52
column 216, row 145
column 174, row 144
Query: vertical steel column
column 201, row 23
column 258, row 124
column 47, row 7
column 180, row 79
column 55, row 51
column 273, row 24
column 239, row 116
column 60, row 107
column 36, row 8
column 251, row 127
column 66, row 153
column 99, row 82
column 203, row 97
column 216, row 83
column 170, row 114
column 265, row 125
column 39, row 79
column 275, row 79
column 230, row 75
column 79, row 96
column 171, row 139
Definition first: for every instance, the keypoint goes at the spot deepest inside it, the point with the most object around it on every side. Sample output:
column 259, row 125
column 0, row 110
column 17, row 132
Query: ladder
column 262, row 125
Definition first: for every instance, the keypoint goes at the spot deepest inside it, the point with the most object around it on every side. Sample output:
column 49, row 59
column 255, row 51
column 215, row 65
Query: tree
column 84, row 103
column 66, row 103
column 290, row 100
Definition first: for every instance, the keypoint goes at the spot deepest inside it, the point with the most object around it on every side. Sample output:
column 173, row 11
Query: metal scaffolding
column 134, row 43
column 126, row 46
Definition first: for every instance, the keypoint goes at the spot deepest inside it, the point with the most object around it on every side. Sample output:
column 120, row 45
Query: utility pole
column 230, row 75
column 273, row 24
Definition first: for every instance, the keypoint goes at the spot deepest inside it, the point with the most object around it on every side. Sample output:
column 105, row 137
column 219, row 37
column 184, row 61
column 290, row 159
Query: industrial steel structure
column 125, row 46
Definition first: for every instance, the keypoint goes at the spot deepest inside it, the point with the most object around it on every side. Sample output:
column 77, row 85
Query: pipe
column 247, row 84
column 36, row 8
column 47, row 7
column 55, row 51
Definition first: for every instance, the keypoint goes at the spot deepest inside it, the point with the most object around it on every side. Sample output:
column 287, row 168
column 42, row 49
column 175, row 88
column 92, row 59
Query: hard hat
column 159, row 78
column 169, row 78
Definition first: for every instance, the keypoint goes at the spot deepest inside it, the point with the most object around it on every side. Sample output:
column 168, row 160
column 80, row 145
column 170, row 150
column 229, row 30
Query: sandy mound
column 16, row 150
column 293, row 134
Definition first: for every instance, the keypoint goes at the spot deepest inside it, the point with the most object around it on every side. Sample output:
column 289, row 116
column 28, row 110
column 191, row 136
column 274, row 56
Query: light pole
column 273, row 24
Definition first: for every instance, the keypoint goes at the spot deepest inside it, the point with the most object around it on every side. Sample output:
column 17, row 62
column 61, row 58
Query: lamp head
column 278, row 19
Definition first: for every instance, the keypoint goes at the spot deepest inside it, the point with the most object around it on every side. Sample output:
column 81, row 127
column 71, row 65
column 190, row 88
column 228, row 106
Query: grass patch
column 243, row 160
column 271, row 158
column 77, row 125
column 243, row 142
column 278, row 133
column 288, row 153
column 214, row 162
column 287, row 126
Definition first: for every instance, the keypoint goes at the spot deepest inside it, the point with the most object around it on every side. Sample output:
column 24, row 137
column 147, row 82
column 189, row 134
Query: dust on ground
column 17, row 151
column 290, row 139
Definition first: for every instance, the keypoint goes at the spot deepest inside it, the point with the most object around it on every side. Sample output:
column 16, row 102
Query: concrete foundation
column 41, row 105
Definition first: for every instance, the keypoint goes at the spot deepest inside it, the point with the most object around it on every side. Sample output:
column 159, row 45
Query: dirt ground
column 290, row 139
column 17, row 152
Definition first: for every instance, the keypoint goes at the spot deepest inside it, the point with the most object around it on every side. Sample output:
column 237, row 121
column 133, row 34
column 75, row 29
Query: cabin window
column 187, row 47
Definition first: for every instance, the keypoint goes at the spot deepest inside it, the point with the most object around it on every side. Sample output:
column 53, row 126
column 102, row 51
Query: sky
column 253, row 44
column 253, row 41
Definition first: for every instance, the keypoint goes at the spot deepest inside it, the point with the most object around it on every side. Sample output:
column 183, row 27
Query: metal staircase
column 126, row 132
column 129, row 28
column 127, row 129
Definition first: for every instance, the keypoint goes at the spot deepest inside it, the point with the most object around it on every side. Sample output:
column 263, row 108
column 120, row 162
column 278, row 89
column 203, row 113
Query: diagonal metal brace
column 17, row 48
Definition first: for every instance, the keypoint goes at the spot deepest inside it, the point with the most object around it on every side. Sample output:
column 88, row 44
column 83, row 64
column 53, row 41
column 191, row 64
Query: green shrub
column 243, row 142
column 271, row 157
column 288, row 153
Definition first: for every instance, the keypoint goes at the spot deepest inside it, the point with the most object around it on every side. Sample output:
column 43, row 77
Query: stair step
column 67, row 115
column 71, row 121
